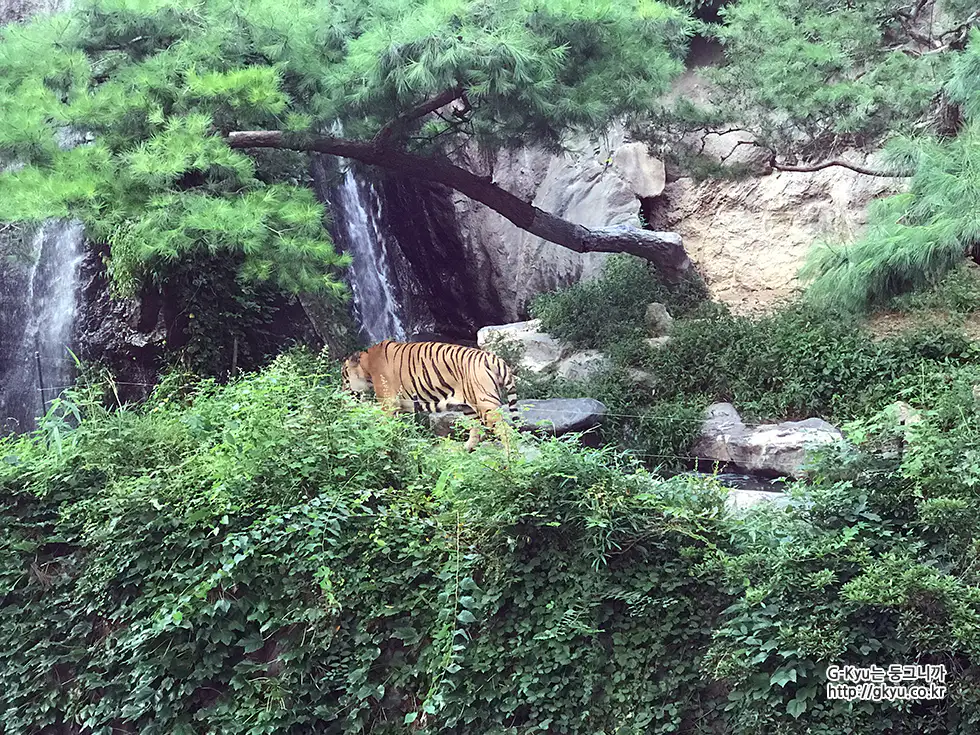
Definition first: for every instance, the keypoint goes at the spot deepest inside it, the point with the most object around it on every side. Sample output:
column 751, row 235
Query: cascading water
column 375, row 300
column 35, row 364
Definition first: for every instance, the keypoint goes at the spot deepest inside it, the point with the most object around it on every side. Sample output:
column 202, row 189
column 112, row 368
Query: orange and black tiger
column 435, row 377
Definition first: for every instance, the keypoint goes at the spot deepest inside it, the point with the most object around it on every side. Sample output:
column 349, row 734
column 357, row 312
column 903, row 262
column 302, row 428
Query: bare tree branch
column 843, row 164
column 403, row 122
column 664, row 249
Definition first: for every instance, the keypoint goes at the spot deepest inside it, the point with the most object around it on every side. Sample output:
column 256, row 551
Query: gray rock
column 644, row 173
column 658, row 320
column 642, row 378
column 583, row 365
column 657, row 342
column 776, row 449
column 540, row 351
column 560, row 415
column 555, row 416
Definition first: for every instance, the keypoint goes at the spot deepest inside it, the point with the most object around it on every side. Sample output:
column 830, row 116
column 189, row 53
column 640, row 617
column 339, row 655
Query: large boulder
column 554, row 416
column 583, row 365
column 539, row 350
column 561, row 415
column 770, row 449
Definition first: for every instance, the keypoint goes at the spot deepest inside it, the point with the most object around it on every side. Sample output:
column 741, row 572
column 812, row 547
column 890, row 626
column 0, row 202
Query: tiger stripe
column 435, row 377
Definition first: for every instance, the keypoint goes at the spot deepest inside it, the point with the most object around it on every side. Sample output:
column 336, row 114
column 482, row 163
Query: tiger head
column 354, row 377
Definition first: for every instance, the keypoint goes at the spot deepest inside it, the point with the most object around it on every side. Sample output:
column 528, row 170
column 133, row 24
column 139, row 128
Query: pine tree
column 196, row 115
column 915, row 238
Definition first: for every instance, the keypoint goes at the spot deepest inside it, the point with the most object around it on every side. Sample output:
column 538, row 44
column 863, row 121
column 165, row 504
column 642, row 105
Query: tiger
column 434, row 377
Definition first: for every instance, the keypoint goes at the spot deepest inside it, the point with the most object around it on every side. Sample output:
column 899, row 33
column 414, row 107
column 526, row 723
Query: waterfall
column 34, row 339
column 360, row 228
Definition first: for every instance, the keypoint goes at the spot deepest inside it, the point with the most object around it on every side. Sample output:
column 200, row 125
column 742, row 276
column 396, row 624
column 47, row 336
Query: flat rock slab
column 554, row 416
column 561, row 415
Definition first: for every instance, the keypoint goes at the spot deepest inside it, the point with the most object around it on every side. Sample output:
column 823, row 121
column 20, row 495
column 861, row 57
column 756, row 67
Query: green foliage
column 151, row 89
column 825, row 73
column 273, row 556
column 958, row 293
column 915, row 238
column 798, row 362
column 876, row 564
column 608, row 311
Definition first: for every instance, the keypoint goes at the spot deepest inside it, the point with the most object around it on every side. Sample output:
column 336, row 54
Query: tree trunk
column 664, row 249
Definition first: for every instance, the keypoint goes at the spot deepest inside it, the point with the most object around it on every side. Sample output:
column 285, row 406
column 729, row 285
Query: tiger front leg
column 475, row 432
column 490, row 416
column 387, row 397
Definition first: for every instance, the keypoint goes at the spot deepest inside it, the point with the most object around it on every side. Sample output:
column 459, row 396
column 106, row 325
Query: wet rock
column 770, row 449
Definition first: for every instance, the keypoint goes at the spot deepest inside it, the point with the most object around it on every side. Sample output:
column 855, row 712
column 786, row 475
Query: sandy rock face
column 749, row 238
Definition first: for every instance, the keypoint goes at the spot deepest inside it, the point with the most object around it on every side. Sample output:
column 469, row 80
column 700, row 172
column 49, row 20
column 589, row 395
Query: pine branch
column 400, row 124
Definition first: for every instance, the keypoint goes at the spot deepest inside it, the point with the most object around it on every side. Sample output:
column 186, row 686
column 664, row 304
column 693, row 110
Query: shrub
column 272, row 556
column 606, row 311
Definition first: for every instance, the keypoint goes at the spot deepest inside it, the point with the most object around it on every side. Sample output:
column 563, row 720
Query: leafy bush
column 798, row 362
column 876, row 564
column 272, row 556
column 607, row 311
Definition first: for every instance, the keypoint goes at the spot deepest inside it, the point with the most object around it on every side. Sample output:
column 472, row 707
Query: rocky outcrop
column 767, row 449
column 525, row 346
column 747, row 238
column 596, row 184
